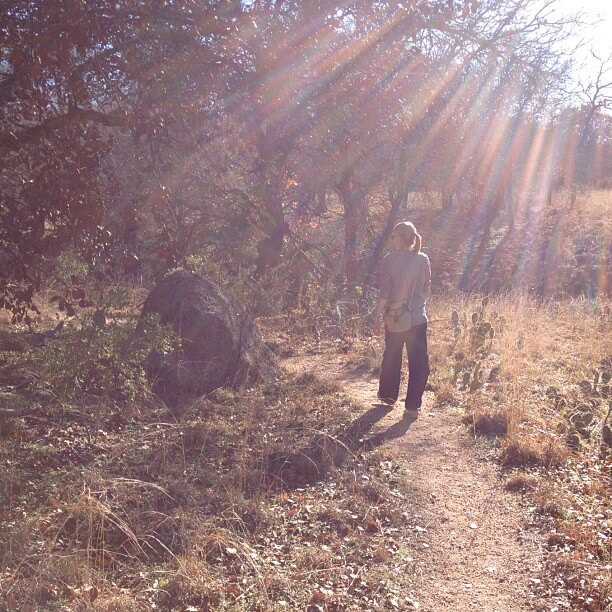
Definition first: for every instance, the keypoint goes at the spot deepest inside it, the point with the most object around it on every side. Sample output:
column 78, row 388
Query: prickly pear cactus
column 474, row 334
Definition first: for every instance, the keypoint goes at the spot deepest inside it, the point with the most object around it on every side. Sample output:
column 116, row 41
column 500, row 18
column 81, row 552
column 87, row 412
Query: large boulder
column 220, row 346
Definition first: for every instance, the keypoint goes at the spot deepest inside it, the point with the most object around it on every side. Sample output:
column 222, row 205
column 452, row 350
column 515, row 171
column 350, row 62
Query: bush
column 488, row 423
column 533, row 451
column 102, row 359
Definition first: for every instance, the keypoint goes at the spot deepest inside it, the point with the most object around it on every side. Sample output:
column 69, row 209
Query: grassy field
column 114, row 502
column 122, row 507
column 543, row 397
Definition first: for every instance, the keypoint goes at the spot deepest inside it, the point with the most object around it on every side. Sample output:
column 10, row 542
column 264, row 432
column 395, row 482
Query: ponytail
column 416, row 247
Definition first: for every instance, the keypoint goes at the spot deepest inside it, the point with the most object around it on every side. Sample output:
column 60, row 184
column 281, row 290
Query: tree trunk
column 354, row 205
column 270, row 248
column 369, row 269
column 273, row 178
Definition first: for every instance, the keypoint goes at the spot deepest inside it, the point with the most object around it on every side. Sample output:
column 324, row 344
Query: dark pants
column 415, row 340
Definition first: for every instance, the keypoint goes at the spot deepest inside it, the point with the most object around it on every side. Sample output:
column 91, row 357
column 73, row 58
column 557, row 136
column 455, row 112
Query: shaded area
column 397, row 430
column 311, row 463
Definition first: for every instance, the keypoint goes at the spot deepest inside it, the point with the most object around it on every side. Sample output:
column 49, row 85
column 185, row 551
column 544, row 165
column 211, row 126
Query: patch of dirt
column 472, row 551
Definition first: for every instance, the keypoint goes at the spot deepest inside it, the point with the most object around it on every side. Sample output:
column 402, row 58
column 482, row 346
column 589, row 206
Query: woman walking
column 405, row 280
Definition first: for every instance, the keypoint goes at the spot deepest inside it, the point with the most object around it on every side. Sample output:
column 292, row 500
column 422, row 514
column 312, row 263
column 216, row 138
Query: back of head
column 408, row 236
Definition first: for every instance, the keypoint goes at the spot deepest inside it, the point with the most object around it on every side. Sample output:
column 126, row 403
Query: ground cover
column 126, row 507
column 530, row 379
column 113, row 505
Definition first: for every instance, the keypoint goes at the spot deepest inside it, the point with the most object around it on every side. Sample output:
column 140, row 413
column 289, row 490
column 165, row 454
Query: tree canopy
column 228, row 122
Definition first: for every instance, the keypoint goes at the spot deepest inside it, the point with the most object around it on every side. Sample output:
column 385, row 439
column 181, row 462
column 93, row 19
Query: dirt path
column 475, row 554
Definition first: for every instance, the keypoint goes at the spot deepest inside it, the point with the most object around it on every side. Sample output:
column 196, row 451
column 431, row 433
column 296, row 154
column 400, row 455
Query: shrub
column 102, row 359
column 522, row 482
column 488, row 423
column 533, row 451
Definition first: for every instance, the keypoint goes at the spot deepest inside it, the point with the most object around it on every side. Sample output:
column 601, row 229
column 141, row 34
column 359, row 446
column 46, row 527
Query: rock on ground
column 220, row 346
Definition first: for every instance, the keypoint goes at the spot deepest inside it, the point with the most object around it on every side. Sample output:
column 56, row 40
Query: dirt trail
column 475, row 553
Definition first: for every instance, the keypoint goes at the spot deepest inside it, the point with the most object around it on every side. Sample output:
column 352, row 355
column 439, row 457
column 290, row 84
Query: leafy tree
column 175, row 128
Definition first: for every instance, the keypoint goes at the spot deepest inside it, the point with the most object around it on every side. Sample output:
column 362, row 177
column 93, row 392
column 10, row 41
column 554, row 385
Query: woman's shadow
column 357, row 435
column 308, row 464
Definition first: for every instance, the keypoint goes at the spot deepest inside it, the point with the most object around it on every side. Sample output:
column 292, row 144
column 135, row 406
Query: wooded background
column 282, row 139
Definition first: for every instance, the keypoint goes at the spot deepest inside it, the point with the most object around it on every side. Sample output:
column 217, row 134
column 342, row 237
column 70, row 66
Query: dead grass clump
column 313, row 559
column 374, row 491
column 189, row 584
column 533, row 451
column 314, row 384
column 91, row 524
column 521, row 482
column 119, row 602
column 45, row 578
column 16, row 539
column 447, row 395
column 488, row 423
column 364, row 354
column 549, row 500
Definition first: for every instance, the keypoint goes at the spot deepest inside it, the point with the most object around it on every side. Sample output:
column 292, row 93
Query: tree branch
column 11, row 142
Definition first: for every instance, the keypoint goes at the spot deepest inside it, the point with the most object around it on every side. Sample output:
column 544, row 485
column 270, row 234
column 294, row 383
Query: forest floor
column 477, row 552
column 305, row 493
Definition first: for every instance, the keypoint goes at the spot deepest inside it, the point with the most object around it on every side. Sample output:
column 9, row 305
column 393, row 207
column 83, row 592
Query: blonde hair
column 408, row 235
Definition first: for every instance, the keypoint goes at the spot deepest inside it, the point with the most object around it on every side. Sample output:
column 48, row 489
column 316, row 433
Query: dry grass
column 488, row 422
column 538, row 387
column 107, row 513
column 522, row 482
column 121, row 509
column 553, row 344
column 530, row 451
column 531, row 398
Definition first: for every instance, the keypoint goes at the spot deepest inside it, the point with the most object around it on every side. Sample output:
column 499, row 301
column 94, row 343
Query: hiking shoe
column 386, row 400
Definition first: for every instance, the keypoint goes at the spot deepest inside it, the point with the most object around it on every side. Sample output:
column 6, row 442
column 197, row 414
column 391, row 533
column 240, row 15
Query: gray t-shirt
column 406, row 275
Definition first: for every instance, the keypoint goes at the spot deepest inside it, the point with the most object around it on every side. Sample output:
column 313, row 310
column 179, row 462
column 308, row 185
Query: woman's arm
column 383, row 295
column 426, row 278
